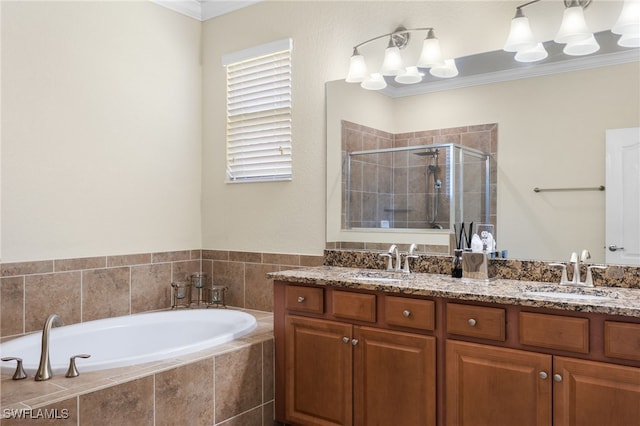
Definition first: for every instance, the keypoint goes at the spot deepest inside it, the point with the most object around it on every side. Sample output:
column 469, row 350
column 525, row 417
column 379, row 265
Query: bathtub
column 129, row 340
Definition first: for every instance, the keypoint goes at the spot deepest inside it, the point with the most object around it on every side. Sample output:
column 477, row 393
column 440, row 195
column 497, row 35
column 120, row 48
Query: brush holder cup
column 198, row 282
column 180, row 294
column 216, row 296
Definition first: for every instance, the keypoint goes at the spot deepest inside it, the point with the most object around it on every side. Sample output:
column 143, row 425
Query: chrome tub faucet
column 44, row 368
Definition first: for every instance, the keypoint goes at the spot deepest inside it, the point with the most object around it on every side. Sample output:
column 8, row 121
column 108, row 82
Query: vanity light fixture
column 393, row 63
column 573, row 32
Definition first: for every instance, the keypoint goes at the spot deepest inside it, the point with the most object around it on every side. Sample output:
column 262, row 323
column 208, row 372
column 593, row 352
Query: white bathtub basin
column 130, row 340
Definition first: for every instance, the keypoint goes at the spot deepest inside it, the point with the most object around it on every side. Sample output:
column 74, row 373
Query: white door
column 622, row 211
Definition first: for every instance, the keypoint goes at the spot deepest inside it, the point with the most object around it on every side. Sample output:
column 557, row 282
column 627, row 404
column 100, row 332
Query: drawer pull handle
column 406, row 313
column 354, row 342
column 345, row 339
column 543, row 375
column 300, row 299
column 557, row 378
column 472, row 322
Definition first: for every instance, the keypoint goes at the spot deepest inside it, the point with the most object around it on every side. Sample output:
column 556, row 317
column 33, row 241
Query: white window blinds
column 259, row 113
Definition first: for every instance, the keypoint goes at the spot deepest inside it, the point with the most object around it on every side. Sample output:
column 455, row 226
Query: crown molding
column 204, row 9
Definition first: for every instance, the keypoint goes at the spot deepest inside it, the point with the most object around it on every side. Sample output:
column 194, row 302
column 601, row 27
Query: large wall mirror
column 551, row 135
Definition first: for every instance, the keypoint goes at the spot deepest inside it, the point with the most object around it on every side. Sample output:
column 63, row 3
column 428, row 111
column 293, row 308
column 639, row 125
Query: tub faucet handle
column 19, row 374
column 73, row 371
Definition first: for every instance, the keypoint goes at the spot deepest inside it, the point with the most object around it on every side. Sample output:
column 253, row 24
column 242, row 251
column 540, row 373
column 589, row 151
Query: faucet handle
column 584, row 255
column 73, row 371
column 589, row 281
column 563, row 279
column 408, row 256
column 19, row 374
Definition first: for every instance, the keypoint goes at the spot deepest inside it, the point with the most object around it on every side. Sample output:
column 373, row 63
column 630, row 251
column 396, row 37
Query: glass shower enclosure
column 416, row 187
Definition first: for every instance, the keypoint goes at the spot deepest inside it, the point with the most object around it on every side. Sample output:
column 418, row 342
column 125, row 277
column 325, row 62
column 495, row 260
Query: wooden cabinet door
column 487, row 385
column 394, row 378
column 595, row 393
column 318, row 370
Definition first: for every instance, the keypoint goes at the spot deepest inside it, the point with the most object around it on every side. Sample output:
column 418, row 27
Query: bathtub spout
column 44, row 368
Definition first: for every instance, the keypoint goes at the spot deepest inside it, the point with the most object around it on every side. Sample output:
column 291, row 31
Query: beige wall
column 113, row 134
column 101, row 134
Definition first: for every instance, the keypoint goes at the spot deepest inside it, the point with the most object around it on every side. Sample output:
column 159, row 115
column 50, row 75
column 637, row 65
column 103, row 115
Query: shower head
column 427, row 153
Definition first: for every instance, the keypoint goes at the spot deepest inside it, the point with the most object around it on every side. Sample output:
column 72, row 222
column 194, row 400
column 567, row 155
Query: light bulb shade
column 538, row 53
column 573, row 28
column 431, row 55
column 580, row 48
column 447, row 70
column 357, row 69
column 374, row 82
column 410, row 76
column 629, row 40
column 629, row 20
column 520, row 36
column 392, row 64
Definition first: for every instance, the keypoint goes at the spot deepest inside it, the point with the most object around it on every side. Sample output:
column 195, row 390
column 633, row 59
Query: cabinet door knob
column 543, row 375
column 557, row 378
column 406, row 313
column 354, row 342
column 345, row 339
column 300, row 299
column 472, row 322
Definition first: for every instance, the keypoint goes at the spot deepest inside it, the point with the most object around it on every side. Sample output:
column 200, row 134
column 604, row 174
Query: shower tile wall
column 394, row 188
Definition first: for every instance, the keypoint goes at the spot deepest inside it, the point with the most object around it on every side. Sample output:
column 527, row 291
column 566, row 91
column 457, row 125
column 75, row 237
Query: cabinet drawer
column 354, row 306
column 304, row 299
column 476, row 321
column 414, row 313
column 622, row 340
column 554, row 332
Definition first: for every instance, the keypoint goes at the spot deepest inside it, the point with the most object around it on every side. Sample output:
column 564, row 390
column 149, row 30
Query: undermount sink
column 568, row 296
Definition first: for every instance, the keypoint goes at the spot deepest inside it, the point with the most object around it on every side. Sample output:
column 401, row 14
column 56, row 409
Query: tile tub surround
column 91, row 288
column 623, row 302
column 508, row 269
column 226, row 385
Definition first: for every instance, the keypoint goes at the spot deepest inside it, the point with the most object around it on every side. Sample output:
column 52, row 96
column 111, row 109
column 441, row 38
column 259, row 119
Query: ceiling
column 204, row 9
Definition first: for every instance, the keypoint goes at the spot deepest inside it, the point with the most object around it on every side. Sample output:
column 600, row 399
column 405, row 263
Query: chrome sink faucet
column 44, row 368
column 392, row 254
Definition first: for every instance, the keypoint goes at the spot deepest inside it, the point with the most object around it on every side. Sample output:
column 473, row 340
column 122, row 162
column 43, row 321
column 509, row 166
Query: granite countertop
column 607, row 300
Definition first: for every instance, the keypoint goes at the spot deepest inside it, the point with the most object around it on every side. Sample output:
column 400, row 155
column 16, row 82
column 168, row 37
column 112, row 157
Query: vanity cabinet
column 342, row 367
column 348, row 357
column 500, row 386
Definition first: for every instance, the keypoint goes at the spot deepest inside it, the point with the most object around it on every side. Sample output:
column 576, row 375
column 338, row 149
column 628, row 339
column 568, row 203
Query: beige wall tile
column 244, row 256
column 311, row 260
column 250, row 418
column 258, row 289
column 128, row 260
column 25, row 268
column 12, row 304
column 126, row 404
column 268, row 414
column 230, row 274
column 47, row 294
column 182, row 270
column 238, row 382
column 105, row 293
column 171, row 256
column 150, row 287
column 268, row 363
column 281, row 259
column 184, row 395
column 63, row 265
column 215, row 254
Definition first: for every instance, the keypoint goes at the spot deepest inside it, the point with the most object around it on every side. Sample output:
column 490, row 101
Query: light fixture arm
column 399, row 37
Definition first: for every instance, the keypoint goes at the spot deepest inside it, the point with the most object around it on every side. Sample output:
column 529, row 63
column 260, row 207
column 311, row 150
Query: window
column 259, row 113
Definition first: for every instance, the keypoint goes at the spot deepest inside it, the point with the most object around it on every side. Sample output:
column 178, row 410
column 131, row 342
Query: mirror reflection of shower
column 429, row 186
column 432, row 180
